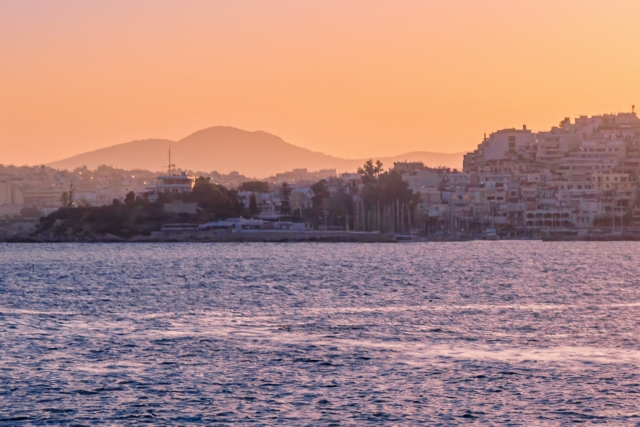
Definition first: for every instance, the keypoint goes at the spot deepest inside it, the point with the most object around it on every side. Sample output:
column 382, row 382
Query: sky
column 348, row 78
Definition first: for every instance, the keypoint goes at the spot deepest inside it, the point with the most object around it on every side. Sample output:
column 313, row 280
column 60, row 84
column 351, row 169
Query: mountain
column 226, row 149
column 150, row 154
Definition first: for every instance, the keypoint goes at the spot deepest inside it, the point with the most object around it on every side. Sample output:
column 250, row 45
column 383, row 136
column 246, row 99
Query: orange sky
column 348, row 78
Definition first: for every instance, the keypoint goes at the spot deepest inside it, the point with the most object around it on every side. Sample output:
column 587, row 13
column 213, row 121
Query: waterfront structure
column 174, row 183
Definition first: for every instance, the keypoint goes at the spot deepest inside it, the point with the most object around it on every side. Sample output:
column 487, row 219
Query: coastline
column 216, row 237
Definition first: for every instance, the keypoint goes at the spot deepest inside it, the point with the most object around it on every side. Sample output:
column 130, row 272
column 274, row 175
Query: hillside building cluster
column 39, row 188
column 578, row 175
column 581, row 174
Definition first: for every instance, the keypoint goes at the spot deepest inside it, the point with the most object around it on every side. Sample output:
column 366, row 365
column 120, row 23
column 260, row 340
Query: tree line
column 381, row 202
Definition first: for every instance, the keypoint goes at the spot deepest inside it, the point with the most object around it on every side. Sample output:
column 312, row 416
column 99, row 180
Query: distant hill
column 226, row 149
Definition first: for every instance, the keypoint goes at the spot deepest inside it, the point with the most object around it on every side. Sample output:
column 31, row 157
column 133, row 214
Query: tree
column 254, row 186
column 72, row 191
column 253, row 205
column 370, row 171
column 67, row 197
column 387, row 199
column 285, row 192
column 320, row 192
column 341, row 208
column 393, row 188
column 215, row 200
column 130, row 198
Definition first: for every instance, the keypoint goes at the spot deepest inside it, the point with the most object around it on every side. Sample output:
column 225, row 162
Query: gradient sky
column 348, row 78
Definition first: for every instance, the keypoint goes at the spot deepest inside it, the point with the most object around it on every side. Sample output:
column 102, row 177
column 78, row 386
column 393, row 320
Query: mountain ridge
column 226, row 149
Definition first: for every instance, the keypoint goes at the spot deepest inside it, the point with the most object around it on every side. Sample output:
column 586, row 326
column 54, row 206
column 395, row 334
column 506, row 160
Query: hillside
column 149, row 154
column 226, row 149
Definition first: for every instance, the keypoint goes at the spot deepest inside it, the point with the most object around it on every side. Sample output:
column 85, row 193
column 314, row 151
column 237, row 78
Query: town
column 577, row 180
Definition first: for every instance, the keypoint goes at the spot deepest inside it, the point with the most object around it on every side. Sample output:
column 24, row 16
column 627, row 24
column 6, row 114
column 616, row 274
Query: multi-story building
column 575, row 176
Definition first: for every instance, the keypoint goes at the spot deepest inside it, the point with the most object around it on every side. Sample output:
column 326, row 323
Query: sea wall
column 270, row 236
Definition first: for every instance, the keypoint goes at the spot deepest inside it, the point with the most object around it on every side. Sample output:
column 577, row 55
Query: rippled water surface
column 506, row 333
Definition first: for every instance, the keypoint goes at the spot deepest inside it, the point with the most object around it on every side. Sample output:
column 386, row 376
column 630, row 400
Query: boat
column 491, row 234
column 403, row 238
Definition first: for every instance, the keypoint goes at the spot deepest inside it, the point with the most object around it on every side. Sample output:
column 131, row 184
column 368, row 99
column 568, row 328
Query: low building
column 174, row 183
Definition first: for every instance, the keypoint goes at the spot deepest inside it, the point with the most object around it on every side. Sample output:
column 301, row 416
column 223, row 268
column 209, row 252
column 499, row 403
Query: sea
column 514, row 333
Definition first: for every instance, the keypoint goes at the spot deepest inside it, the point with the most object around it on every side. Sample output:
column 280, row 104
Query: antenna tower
column 170, row 164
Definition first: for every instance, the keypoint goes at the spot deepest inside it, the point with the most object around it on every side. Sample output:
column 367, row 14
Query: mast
column 170, row 165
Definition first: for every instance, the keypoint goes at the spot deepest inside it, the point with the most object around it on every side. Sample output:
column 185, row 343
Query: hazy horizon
column 347, row 79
